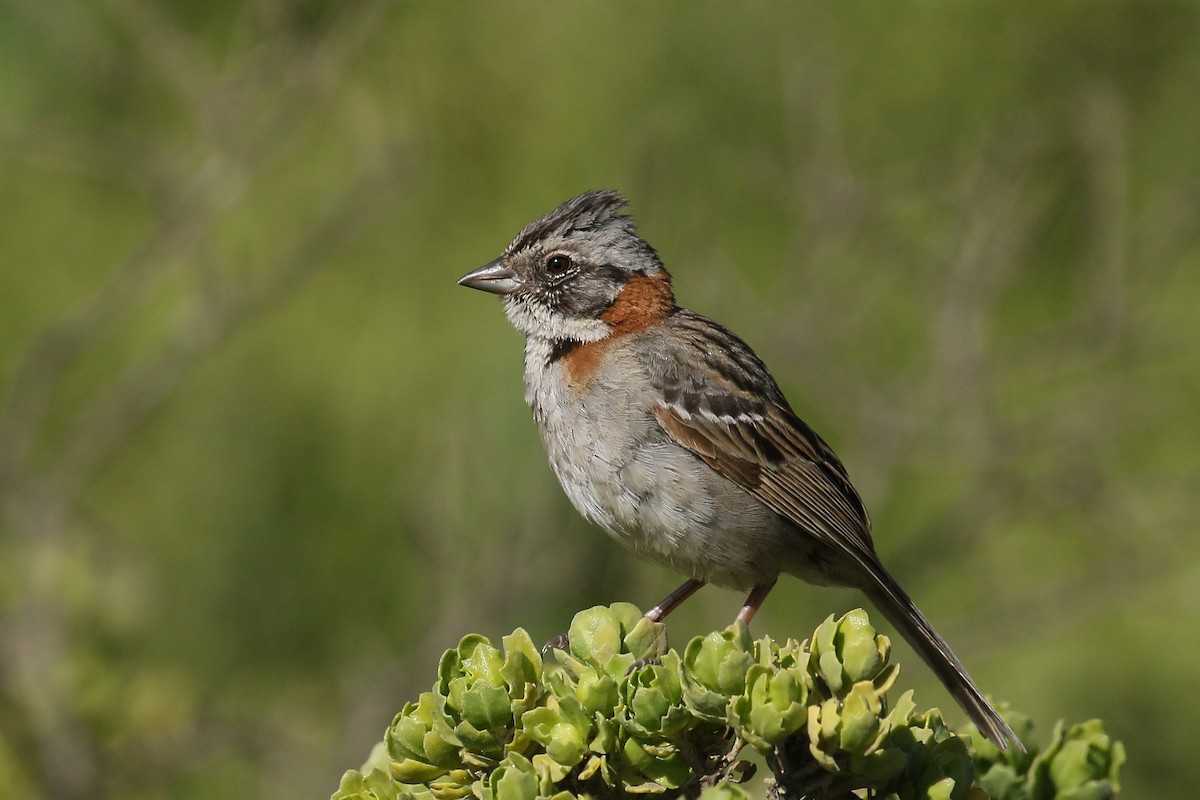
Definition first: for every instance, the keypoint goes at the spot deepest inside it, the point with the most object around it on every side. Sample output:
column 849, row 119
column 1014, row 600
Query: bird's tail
column 900, row 610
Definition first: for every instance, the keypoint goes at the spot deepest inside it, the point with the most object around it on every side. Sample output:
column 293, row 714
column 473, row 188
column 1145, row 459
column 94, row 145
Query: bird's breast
column 623, row 472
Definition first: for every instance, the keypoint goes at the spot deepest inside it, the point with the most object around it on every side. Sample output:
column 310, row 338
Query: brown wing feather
column 802, row 487
column 742, row 471
column 727, row 410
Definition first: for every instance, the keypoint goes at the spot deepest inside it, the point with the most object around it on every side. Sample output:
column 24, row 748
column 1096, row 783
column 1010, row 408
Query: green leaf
column 522, row 662
column 1087, row 756
column 481, row 662
column 714, row 670
column 772, row 707
column 596, row 635
column 514, row 781
column 598, row 692
column 487, row 707
column 1002, row 782
column 831, row 671
column 663, row 764
column 454, row 785
column 646, row 639
column 860, row 722
column 566, row 745
column 539, row 722
column 652, row 700
column 406, row 736
column 419, row 733
column 862, row 653
column 375, row 785
column 562, row 728
column 412, row 771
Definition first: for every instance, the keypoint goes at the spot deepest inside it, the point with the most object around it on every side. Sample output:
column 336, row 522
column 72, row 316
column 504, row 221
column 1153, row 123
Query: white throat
column 536, row 321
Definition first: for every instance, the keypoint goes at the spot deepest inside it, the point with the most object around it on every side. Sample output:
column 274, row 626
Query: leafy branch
column 617, row 713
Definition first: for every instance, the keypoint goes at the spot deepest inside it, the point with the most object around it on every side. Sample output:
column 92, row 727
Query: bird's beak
column 495, row 277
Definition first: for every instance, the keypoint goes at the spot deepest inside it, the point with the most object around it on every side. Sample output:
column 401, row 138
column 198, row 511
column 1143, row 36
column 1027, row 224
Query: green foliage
column 249, row 425
column 617, row 713
column 1080, row 763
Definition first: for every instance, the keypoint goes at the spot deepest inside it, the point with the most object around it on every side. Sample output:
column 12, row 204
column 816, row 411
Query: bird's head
column 580, row 273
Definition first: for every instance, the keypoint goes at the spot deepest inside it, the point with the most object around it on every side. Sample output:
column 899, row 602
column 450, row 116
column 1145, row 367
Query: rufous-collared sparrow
column 667, row 431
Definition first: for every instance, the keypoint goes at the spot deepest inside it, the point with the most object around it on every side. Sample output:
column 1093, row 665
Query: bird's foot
column 560, row 642
column 642, row 663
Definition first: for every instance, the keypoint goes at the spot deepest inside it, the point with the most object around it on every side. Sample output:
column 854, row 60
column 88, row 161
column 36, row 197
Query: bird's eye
column 558, row 265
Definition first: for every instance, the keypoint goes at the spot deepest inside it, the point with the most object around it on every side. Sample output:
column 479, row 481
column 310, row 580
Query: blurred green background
column 261, row 460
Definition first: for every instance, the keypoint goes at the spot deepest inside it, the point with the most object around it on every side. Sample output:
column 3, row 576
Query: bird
column 666, row 430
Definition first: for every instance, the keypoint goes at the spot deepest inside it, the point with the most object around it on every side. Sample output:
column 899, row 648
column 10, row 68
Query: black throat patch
column 561, row 349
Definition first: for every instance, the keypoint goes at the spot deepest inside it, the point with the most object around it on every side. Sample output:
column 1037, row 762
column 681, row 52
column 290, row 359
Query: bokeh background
column 261, row 460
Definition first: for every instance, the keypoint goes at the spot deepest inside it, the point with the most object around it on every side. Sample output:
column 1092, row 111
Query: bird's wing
column 720, row 402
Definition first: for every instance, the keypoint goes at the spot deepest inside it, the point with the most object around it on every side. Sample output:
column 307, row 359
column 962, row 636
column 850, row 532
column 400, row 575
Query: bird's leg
column 672, row 601
column 656, row 614
column 757, row 595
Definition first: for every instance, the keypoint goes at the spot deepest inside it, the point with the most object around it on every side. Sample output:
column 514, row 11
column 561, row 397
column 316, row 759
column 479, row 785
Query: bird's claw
column 641, row 663
column 560, row 642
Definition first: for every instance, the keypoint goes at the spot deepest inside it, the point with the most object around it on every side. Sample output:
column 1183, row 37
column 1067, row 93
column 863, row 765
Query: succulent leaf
column 618, row 714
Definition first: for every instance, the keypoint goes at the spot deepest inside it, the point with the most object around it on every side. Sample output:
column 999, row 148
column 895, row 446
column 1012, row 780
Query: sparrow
column 666, row 430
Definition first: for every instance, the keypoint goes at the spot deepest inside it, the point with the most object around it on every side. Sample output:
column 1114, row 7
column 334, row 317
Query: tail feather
column 900, row 610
